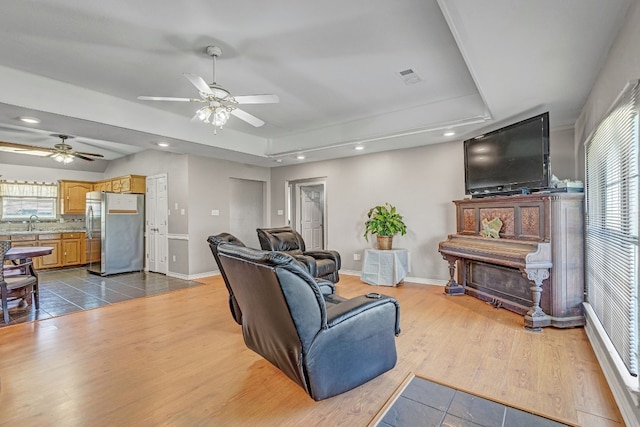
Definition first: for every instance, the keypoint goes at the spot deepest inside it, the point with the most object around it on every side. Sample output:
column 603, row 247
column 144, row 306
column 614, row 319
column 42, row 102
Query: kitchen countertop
column 19, row 232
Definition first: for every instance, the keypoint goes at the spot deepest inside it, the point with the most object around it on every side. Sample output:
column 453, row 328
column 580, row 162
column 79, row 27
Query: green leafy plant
column 384, row 220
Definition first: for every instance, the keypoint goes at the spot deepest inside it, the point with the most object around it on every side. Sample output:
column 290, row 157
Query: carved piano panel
column 535, row 268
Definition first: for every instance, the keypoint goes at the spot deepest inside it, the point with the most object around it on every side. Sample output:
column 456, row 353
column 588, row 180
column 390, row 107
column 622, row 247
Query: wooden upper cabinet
column 72, row 196
column 122, row 184
column 130, row 184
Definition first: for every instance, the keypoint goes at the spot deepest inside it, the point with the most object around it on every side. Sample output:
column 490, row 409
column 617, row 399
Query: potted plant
column 385, row 222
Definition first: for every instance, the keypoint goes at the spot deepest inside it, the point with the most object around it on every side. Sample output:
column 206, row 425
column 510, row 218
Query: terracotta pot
column 385, row 242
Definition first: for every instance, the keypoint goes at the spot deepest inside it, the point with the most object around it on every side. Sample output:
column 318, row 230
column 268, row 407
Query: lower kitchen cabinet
column 72, row 248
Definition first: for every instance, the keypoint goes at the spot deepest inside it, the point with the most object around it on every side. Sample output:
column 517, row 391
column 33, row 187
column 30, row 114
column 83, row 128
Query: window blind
column 611, row 235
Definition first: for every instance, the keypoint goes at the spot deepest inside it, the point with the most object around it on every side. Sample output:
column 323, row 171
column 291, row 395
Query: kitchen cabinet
column 54, row 259
column 102, row 185
column 129, row 184
column 68, row 248
column 72, row 196
column 72, row 248
column 135, row 184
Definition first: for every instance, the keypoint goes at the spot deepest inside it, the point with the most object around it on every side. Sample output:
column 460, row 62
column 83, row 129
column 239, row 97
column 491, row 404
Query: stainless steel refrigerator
column 115, row 232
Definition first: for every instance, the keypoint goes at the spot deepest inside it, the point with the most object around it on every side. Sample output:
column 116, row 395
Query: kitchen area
column 96, row 236
column 67, row 234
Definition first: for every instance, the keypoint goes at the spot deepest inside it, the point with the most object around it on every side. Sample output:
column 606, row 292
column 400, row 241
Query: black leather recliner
column 327, row 288
column 326, row 348
column 214, row 241
column 323, row 264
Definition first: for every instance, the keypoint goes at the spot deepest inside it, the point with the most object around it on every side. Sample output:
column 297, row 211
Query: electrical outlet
column 174, row 258
column 356, row 257
column 181, row 211
column 215, row 212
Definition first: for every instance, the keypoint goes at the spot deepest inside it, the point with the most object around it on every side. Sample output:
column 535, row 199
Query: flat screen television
column 513, row 159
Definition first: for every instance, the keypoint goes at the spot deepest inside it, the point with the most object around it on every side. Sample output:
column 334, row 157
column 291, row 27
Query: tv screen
column 513, row 159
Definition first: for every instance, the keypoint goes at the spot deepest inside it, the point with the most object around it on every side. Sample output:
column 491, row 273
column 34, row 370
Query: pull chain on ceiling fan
column 220, row 104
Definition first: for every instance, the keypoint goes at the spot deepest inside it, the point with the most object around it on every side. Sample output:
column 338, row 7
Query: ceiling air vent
column 409, row 76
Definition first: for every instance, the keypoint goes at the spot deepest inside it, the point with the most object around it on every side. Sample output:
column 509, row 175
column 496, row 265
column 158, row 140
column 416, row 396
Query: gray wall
column 209, row 186
column 421, row 182
column 622, row 65
column 198, row 185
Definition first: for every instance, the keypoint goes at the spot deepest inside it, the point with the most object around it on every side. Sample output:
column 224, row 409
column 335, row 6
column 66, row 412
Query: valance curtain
column 28, row 189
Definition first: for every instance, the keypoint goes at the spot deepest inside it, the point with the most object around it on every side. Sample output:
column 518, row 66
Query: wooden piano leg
column 536, row 318
column 452, row 287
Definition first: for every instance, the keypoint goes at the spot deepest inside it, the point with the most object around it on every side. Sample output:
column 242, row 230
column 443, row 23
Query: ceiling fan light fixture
column 220, row 117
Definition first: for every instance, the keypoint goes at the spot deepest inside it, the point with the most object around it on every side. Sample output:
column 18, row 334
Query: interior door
column 156, row 223
column 311, row 214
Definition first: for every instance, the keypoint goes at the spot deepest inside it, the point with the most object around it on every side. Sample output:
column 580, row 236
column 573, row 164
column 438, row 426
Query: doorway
column 157, row 208
column 246, row 209
column 307, row 211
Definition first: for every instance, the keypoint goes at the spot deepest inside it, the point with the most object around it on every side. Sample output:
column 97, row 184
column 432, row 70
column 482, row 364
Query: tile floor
column 68, row 290
column 426, row 403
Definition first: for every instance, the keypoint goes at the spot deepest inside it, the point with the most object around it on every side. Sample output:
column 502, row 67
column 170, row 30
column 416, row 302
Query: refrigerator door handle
column 89, row 224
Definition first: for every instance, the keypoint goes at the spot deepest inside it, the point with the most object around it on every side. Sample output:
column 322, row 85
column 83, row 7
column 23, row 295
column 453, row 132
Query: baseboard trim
column 622, row 386
column 192, row 276
column 421, row 280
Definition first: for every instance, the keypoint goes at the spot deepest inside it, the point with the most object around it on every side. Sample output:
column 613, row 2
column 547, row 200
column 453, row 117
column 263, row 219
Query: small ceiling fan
column 219, row 101
column 62, row 152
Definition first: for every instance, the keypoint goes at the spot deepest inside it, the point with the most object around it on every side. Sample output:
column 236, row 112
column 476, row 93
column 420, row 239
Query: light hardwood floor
column 178, row 359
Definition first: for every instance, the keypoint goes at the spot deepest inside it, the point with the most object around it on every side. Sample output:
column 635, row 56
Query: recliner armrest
column 326, row 287
column 327, row 254
column 338, row 313
column 308, row 262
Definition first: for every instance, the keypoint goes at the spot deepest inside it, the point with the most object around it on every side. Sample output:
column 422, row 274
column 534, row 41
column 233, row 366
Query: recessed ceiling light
column 449, row 133
column 300, row 157
column 278, row 160
column 30, row 120
column 359, row 147
column 163, row 144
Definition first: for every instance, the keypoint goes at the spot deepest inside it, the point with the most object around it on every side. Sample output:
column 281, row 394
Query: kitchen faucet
column 30, row 227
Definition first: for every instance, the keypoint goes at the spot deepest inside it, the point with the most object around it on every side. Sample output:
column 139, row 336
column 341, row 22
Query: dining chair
column 11, row 283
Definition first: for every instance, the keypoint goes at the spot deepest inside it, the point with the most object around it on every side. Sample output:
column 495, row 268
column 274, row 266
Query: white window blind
column 611, row 252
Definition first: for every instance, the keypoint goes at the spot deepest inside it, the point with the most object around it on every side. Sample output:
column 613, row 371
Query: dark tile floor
column 425, row 403
column 68, row 290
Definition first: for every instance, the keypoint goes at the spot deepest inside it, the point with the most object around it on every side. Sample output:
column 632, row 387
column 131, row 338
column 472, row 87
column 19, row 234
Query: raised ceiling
column 336, row 67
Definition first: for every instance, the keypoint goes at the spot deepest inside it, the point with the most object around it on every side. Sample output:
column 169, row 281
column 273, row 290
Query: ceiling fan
column 219, row 101
column 62, row 152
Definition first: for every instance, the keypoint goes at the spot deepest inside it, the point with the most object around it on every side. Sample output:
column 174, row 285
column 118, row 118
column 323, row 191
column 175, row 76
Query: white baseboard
column 623, row 387
column 193, row 276
column 421, row 280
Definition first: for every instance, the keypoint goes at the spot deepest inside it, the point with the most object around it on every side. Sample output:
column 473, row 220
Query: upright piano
column 534, row 268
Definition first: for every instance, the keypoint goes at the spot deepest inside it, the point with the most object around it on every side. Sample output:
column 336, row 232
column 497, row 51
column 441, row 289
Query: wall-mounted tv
column 513, row 159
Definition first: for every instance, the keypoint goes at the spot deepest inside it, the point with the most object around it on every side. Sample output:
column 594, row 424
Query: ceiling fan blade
column 249, row 118
column 257, row 99
column 165, row 98
column 199, row 83
column 25, row 149
column 88, row 154
column 80, row 156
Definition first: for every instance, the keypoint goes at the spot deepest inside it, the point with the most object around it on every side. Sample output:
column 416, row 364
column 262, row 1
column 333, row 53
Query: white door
column 311, row 214
column 156, row 223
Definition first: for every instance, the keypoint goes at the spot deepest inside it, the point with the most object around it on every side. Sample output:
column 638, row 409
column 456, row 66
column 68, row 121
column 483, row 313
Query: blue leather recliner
column 326, row 344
